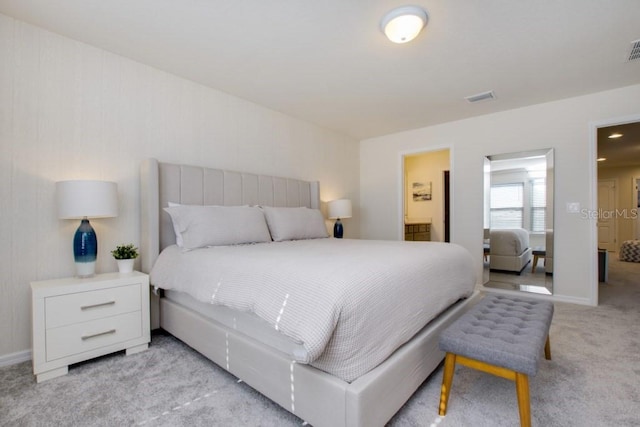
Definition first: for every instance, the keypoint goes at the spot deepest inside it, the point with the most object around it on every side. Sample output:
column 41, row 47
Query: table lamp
column 339, row 209
column 84, row 200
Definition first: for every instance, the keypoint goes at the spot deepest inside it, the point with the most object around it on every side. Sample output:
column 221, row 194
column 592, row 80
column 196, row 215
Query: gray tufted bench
column 502, row 336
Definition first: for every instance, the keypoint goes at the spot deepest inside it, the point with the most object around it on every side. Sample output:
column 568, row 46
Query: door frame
column 401, row 185
column 635, row 186
column 593, row 202
column 446, row 183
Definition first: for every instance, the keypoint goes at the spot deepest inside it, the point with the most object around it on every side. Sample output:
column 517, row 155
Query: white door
column 607, row 214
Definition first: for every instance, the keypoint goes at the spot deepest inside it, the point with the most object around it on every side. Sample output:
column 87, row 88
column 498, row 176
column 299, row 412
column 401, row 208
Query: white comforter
column 351, row 303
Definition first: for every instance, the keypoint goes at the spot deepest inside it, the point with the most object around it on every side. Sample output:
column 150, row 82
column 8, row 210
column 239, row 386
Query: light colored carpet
column 593, row 379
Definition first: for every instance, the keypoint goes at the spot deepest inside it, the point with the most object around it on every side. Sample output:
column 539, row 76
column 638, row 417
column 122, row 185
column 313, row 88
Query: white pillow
column 202, row 226
column 295, row 223
column 175, row 230
column 179, row 241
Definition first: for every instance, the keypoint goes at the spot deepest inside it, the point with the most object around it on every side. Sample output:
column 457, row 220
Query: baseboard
column 572, row 300
column 14, row 358
column 554, row 297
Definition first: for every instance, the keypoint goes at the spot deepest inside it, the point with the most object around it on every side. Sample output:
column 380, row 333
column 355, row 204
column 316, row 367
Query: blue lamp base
column 338, row 231
column 85, row 249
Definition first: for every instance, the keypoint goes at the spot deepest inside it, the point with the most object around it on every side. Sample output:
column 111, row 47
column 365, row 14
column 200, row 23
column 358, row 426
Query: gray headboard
column 161, row 183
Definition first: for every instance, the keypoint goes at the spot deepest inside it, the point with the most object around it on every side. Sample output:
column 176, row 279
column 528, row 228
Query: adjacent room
column 297, row 213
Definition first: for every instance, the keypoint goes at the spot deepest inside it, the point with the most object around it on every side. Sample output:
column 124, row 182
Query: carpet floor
column 593, row 379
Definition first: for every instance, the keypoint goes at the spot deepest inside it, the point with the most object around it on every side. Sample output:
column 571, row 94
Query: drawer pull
column 99, row 334
column 102, row 304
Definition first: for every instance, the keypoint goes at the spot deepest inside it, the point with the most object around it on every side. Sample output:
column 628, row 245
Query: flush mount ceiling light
column 615, row 135
column 403, row 24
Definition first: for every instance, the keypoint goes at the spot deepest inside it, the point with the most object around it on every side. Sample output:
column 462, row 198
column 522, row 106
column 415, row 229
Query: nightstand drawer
column 78, row 338
column 85, row 306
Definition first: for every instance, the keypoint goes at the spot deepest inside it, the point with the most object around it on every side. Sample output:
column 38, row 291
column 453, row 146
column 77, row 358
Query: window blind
column 507, row 205
column 538, row 204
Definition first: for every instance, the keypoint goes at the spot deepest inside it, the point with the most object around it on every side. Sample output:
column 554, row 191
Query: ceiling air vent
column 634, row 53
column 484, row 96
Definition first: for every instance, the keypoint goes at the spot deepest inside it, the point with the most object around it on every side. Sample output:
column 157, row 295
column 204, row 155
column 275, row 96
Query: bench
column 537, row 253
column 503, row 336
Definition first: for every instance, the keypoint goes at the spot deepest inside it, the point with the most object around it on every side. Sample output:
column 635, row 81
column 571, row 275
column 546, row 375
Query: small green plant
column 125, row 252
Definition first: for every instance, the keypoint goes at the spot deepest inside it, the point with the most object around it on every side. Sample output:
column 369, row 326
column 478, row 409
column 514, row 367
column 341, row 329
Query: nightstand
column 77, row 319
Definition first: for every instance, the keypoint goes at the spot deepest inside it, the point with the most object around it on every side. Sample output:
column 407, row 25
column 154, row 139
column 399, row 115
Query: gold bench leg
column 524, row 405
column 447, row 380
column 522, row 381
column 547, row 349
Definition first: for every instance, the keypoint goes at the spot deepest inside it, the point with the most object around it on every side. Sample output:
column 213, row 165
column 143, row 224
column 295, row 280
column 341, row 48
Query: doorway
column 616, row 172
column 426, row 196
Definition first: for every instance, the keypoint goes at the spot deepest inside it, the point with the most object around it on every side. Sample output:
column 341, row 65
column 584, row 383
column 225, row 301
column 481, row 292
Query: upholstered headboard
column 161, row 183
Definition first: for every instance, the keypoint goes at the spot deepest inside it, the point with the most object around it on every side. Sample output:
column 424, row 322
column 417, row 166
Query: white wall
column 566, row 125
column 71, row 111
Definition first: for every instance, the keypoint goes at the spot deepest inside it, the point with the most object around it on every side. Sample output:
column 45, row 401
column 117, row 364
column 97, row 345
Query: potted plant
column 125, row 256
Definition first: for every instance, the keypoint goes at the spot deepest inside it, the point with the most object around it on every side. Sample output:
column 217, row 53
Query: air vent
column 634, row 53
column 484, row 96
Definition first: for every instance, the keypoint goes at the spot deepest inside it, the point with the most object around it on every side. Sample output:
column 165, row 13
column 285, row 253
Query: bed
column 299, row 375
column 509, row 249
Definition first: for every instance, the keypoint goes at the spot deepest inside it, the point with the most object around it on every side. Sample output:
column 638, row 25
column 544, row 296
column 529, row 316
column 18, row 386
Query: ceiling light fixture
column 615, row 135
column 403, row 24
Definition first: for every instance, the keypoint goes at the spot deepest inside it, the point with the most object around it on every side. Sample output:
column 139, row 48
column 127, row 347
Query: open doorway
column 426, row 196
column 617, row 176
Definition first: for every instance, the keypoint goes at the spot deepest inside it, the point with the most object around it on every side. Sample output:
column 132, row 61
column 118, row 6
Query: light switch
column 573, row 207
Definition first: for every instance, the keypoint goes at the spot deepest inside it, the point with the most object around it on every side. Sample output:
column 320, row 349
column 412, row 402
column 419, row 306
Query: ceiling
column 623, row 151
column 327, row 62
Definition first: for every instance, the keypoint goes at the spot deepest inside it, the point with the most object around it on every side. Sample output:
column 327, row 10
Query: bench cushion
column 509, row 332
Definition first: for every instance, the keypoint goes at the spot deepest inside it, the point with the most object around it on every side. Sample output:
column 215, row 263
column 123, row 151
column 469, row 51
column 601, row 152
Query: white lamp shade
column 93, row 199
column 340, row 209
column 403, row 24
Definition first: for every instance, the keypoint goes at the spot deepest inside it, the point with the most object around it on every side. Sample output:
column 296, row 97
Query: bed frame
column 315, row 396
column 501, row 254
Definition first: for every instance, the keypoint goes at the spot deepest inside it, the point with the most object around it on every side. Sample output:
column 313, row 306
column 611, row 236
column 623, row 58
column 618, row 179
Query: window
column 538, row 204
column 507, row 205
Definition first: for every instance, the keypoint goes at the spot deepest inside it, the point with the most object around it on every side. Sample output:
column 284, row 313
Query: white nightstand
column 76, row 319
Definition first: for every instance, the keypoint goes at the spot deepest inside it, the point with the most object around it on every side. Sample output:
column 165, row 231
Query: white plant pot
column 125, row 265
